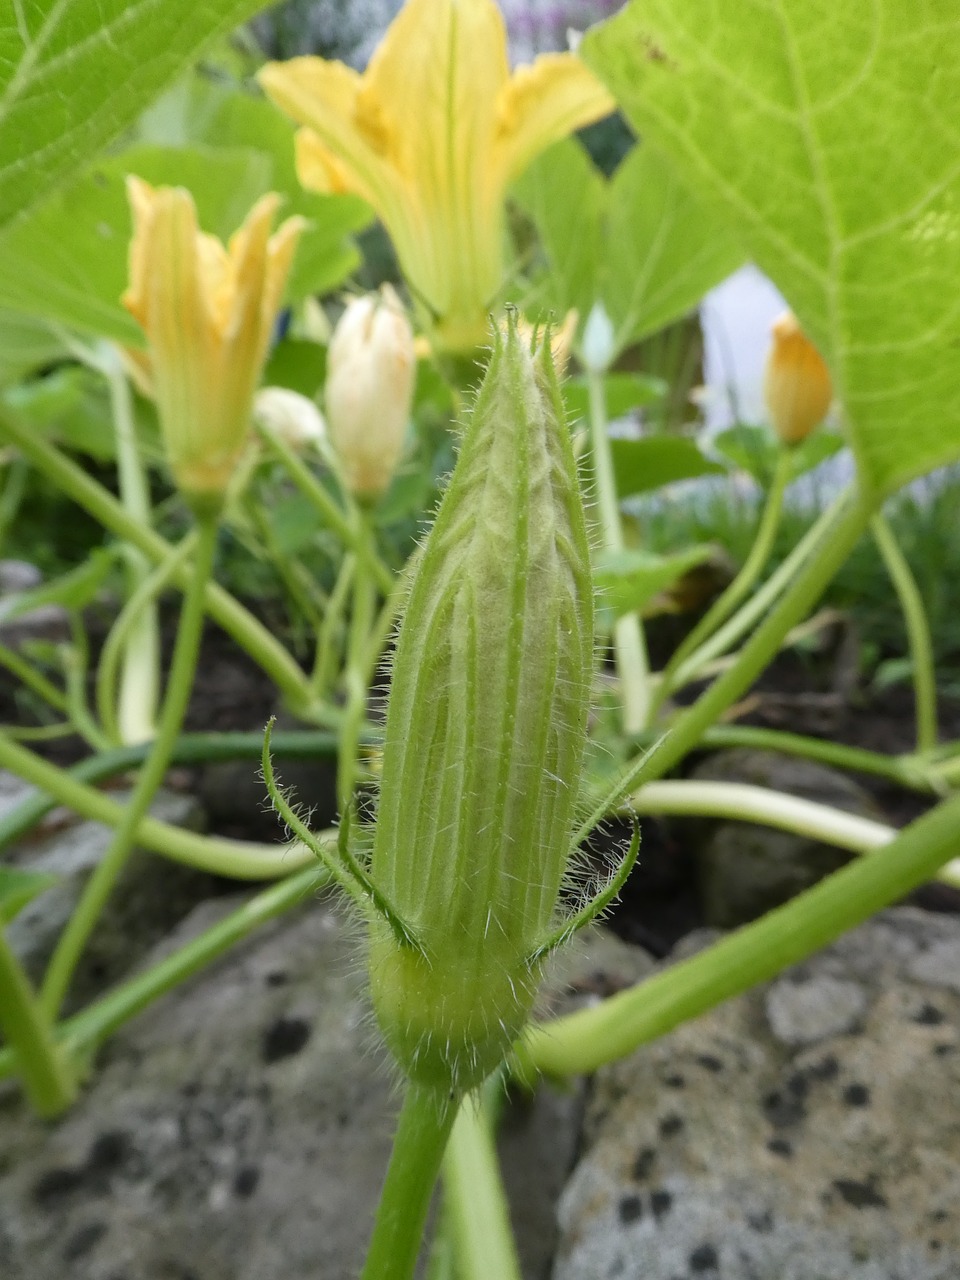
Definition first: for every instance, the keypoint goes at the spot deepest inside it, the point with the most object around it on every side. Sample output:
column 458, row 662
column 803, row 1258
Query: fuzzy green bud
column 485, row 733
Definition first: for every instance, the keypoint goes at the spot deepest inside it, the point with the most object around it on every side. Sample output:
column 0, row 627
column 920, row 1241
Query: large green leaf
column 640, row 243
column 68, row 261
column 19, row 888
column 653, row 461
column 75, row 73
column 25, row 344
column 828, row 136
column 211, row 114
column 628, row 580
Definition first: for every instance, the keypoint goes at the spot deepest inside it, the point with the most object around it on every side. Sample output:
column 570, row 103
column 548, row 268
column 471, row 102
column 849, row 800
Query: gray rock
column 727, row 1152
column 801, row 1013
column 745, row 869
column 45, row 622
column 153, row 893
column 239, row 1129
column 18, row 575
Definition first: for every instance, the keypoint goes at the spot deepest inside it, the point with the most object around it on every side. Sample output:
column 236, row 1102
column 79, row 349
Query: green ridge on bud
column 485, row 734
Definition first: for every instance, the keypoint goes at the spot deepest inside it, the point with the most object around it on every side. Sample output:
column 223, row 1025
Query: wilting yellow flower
column 208, row 313
column 371, row 369
column 431, row 134
column 796, row 385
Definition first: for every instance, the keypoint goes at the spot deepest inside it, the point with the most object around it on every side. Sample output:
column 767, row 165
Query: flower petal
column 542, row 104
column 323, row 96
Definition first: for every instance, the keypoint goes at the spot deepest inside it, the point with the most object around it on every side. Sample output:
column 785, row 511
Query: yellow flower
column 208, row 313
column 797, row 385
column 431, row 134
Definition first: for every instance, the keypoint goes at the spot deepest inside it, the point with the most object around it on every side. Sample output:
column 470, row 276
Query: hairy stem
column 418, row 1146
column 918, row 632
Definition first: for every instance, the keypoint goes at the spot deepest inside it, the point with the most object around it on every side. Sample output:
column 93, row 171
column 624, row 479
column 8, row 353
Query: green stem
column 250, row 634
column 628, row 638
column 33, row 679
column 837, row 541
column 584, row 1041
column 179, row 687
column 357, row 674
column 901, row 769
column 35, row 1054
column 82, row 1033
column 239, row 859
column 245, row 860
column 418, row 1146
column 122, row 643
column 330, row 627
column 753, row 566
column 728, row 635
column 918, row 632
column 339, row 522
column 742, row 802
column 139, row 686
column 475, row 1205
column 76, row 662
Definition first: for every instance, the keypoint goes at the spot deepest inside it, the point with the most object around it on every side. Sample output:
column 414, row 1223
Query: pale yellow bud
column 796, row 386
column 289, row 416
column 371, row 366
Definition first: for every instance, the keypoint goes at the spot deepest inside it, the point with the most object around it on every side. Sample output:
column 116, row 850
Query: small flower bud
column 371, row 368
column 294, row 419
column 599, row 340
column 796, row 387
column 485, row 734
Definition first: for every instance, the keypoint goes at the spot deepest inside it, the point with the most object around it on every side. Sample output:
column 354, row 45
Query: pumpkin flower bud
column 797, row 387
column 371, row 366
column 208, row 314
column 485, row 734
column 294, row 419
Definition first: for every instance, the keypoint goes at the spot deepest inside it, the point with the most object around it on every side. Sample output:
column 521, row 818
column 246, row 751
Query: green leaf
column 73, row 590
column 198, row 111
column 26, row 344
column 641, row 242
column 68, row 261
column 826, row 135
column 19, row 888
column 623, row 393
column 298, row 364
column 295, row 524
column 74, row 74
column 641, row 465
column 72, row 406
column 755, row 450
column 629, row 580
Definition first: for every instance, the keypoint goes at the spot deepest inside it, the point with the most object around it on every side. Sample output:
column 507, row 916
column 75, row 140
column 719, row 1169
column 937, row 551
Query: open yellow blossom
column 431, row 134
column 208, row 313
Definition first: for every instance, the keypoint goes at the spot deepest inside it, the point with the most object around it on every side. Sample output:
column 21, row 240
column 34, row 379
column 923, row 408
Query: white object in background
column 736, row 317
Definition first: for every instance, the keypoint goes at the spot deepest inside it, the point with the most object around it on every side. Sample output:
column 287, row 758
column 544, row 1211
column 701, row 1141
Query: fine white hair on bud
column 371, row 368
column 485, row 733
